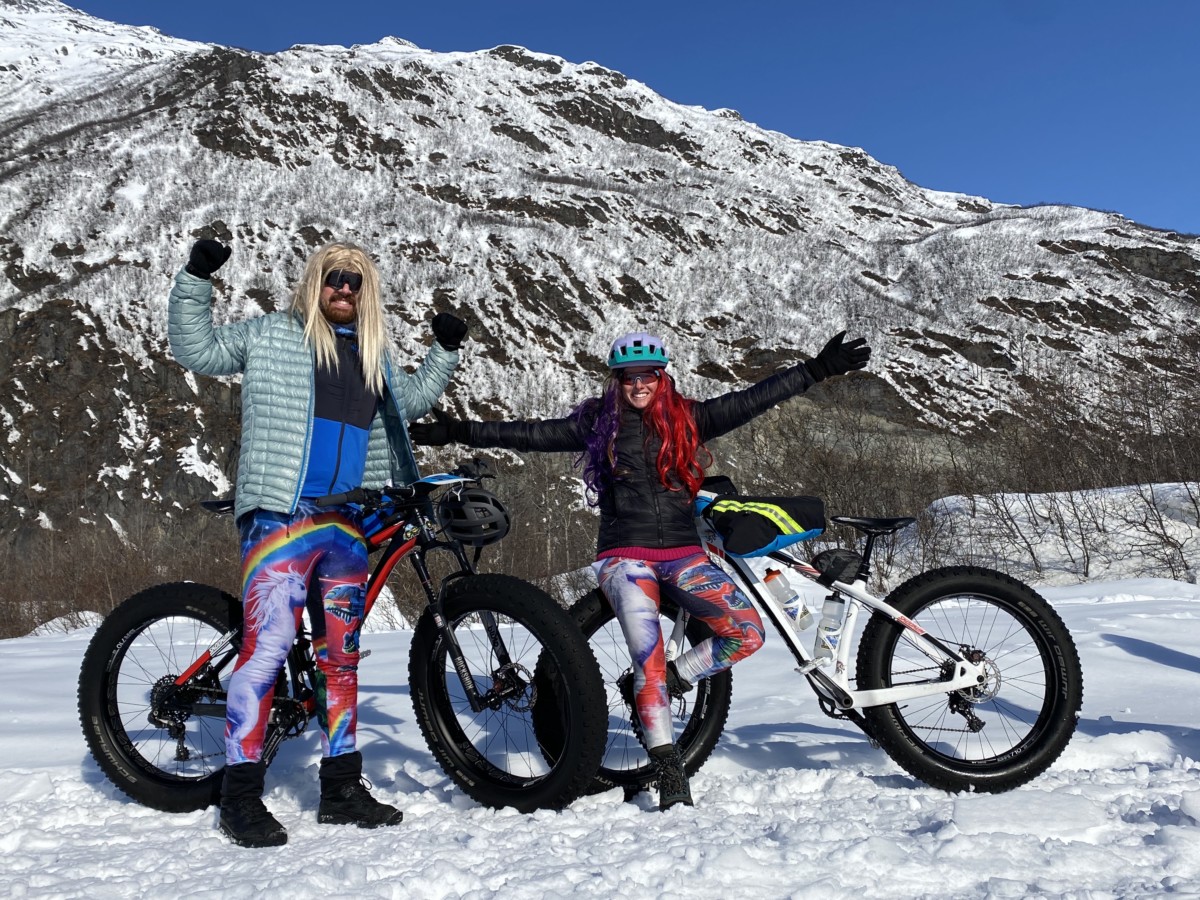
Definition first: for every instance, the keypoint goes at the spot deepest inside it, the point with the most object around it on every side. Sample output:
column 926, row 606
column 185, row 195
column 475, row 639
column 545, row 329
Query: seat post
column 864, row 569
column 872, row 528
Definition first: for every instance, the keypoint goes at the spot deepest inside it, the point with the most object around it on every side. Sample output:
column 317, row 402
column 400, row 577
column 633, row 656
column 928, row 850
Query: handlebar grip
column 354, row 496
column 475, row 469
column 372, row 498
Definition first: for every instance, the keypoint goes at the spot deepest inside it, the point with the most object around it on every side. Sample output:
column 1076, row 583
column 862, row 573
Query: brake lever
column 475, row 469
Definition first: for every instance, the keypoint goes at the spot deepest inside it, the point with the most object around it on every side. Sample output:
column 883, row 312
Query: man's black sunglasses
column 338, row 277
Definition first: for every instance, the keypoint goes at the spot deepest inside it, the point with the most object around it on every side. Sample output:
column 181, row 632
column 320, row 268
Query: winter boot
column 671, row 776
column 245, row 820
column 346, row 798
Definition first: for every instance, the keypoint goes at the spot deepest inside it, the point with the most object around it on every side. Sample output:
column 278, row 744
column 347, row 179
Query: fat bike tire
column 1023, row 716
column 698, row 717
column 496, row 755
column 139, row 648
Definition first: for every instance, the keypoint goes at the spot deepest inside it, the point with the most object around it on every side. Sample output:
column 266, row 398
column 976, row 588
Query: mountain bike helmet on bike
column 637, row 349
column 474, row 516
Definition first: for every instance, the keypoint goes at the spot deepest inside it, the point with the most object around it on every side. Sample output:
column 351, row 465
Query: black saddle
column 875, row 527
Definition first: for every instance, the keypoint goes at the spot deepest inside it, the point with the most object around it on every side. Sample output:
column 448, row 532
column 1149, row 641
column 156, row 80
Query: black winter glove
column 449, row 330
column 837, row 358
column 445, row 430
column 207, row 256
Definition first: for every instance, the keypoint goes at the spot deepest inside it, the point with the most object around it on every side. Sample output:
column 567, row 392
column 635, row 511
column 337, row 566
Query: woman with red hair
column 641, row 448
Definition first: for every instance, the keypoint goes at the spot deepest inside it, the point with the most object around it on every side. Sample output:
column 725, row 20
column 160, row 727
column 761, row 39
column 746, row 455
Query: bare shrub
column 61, row 574
column 1071, row 438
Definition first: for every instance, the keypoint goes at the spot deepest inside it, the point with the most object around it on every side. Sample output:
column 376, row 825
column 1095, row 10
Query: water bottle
column 830, row 626
column 781, row 589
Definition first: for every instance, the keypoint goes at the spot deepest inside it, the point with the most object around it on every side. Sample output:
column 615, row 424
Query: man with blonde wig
column 324, row 410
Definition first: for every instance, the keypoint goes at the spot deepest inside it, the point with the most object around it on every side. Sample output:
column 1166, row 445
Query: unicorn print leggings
column 696, row 584
column 316, row 557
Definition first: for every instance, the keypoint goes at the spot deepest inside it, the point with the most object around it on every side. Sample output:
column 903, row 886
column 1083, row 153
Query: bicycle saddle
column 874, row 526
column 222, row 507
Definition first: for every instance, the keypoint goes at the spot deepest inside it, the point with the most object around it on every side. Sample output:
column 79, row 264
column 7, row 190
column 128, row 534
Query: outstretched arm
column 723, row 414
column 548, row 435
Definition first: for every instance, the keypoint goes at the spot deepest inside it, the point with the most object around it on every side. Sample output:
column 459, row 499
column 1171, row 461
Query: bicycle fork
column 506, row 681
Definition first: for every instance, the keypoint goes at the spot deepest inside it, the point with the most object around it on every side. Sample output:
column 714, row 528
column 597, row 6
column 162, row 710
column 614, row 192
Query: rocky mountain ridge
column 551, row 204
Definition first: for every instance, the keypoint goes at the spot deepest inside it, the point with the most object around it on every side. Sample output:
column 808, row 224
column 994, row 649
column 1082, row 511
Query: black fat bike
column 493, row 660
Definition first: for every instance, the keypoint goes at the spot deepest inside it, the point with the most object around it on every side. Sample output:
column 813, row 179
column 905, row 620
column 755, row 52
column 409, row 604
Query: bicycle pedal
column 363, row 654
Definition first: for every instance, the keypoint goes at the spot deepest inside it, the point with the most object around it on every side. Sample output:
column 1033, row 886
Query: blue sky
column 1088, row 102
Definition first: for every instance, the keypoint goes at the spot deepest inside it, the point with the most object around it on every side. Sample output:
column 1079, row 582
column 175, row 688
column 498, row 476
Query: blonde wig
column 318, row 332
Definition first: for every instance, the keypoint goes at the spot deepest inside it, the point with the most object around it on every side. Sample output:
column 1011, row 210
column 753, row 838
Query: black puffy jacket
column 638, row 510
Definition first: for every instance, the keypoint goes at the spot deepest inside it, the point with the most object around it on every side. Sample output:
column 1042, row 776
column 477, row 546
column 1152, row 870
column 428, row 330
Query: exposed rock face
column 552, row 205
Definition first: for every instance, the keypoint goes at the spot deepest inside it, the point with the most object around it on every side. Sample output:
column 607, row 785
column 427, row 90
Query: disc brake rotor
column 512, row 685
column 990, row 687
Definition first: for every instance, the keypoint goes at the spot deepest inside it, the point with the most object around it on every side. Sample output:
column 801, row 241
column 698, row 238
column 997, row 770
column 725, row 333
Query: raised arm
column 722, row 414
column 421, row 389
column 195, row 342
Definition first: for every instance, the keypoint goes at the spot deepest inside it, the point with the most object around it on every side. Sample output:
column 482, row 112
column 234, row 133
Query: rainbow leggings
column 316, row 557
column 696, row 584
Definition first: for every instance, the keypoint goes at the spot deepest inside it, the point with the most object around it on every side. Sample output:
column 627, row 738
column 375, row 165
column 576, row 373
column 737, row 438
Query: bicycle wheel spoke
column 993, row 727
column 503, row 738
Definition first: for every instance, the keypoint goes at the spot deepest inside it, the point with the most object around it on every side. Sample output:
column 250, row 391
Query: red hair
column 672, row 417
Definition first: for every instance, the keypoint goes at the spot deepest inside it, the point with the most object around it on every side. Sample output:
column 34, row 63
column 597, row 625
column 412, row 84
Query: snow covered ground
column 792, row 804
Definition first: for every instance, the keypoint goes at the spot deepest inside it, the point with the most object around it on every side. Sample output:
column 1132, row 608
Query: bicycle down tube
column 403, row 542
column 964, row 675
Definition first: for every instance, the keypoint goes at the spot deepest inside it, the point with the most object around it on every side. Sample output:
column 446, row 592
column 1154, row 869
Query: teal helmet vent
column 637, row 349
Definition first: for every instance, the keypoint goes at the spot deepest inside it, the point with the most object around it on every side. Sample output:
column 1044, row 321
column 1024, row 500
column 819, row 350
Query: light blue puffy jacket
column 277, row 396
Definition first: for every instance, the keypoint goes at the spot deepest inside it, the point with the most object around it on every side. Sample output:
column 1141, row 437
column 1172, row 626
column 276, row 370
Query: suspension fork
column 436, row 599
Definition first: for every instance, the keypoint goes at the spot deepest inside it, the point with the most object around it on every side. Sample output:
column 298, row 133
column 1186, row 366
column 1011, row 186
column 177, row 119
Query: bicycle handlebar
column 355, row 496
column 467, row 471
column 373, row 499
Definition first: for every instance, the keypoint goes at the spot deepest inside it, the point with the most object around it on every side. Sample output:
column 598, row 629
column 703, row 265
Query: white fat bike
column 964, row 676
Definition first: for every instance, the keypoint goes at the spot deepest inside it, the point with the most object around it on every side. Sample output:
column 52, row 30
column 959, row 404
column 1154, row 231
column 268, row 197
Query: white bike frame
column 955, row 672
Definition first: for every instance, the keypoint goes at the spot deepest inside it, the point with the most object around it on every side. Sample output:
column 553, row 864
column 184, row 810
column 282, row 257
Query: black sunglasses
column 339, row 277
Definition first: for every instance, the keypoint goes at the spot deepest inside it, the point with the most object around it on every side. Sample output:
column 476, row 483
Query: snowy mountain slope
column 552, row 204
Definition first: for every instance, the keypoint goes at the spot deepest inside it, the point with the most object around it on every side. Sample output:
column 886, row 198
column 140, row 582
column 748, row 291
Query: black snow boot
column 346, row 798
column 671, row 776
column 245, row 819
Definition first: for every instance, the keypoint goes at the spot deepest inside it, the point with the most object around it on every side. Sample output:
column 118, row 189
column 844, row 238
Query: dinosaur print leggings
column 316, row 557
column 695, row 583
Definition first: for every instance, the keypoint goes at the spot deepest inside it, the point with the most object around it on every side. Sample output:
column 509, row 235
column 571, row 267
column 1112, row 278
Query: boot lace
column 671, row 778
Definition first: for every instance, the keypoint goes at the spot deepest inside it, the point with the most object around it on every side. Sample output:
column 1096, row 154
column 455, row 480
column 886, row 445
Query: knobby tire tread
column 880, row 637
column 574, row 765
column 132, row 775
